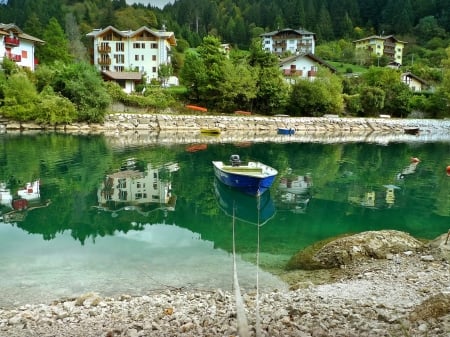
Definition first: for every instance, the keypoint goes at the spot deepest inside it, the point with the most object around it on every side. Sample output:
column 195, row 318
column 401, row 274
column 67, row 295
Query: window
column 143, row 45
column 154, row 69
column 154, row 46
column 142, row 57
column 118, row 68
column 136, row 45
column 120, row 46
column 119, row 58
column 136, row 57
column 24, row 54
column 153, row 57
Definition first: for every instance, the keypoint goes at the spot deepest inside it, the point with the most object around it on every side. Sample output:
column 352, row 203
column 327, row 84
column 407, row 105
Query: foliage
column 318, row 97
column 20, row 98
column 54, row 109
column 164, row 72
column 83, row 86
column 56, row 47
column 372, row 100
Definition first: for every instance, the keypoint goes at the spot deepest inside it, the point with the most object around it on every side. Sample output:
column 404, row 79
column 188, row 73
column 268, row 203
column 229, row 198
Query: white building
column 142, row 50
column 289, row 41
column 18, row 46
column 302, row 66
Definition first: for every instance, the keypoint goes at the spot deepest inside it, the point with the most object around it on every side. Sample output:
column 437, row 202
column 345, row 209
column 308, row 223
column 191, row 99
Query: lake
column 116, row 218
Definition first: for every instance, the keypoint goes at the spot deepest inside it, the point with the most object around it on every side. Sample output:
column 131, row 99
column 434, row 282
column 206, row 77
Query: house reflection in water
column 294, row 192
column 14, row 205
column 138, row 187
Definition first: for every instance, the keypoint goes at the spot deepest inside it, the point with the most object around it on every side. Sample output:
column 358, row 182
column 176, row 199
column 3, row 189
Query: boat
column 244, row 207
column 210, row 131
column 196, row 108
column 253, row 177
column 411, row 131
column 286, row 131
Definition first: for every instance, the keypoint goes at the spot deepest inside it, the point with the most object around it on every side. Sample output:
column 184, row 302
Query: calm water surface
column 131, row 220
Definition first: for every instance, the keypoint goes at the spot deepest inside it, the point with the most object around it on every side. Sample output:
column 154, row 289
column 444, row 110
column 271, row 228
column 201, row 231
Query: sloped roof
column 417, row 78
column 7, row 28
column 312, row 57
column 123, row 75
column 162, row 34
column 379, row 37
column 300, row 31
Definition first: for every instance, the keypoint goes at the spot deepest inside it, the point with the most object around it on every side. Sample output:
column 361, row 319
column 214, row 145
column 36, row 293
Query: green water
column 177, row 231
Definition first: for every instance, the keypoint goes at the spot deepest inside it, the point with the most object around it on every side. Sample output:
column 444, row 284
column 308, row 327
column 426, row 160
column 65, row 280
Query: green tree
column 193, row 75
column 54, row 109
column 318, row 97
column 238, row 88
column 83, row 86
column 56, row 47
column 372, row 100
column 20, row 98
column 164, row 73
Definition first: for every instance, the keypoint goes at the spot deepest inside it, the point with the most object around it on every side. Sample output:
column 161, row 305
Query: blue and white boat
column 286, row 131
column 253, row 177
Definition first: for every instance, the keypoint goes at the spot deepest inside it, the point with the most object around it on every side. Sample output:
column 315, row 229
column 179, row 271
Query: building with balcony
column 139, row 51
column 302, row 67
column 289, row 40
column 18, row 46
column 379, row 46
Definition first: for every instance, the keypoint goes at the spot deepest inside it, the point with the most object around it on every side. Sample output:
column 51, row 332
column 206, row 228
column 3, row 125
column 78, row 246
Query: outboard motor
column 235, row 160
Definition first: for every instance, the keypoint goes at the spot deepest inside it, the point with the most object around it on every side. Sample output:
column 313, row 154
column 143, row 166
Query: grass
column 346, row 68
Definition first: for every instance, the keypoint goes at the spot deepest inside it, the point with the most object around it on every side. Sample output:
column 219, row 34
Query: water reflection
column 247, row 208
column 138, row 186
column 295, row 192
column 17, row 202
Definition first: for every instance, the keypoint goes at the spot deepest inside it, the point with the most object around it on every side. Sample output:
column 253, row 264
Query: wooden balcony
column 104, row 62
column 104, row 49
column 14, row 57
column 312, row 73
column 12, row 41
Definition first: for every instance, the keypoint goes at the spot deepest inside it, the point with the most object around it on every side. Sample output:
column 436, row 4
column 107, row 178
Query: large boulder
column 349, row 249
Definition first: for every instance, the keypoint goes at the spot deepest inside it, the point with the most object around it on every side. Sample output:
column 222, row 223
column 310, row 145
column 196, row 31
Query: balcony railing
column 312, row 73
column 12, row 41
column 14, row 57
column 104, row 62
column 104, row 49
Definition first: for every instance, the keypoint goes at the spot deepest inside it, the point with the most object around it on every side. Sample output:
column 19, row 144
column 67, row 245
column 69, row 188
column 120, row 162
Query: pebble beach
column 407, row 294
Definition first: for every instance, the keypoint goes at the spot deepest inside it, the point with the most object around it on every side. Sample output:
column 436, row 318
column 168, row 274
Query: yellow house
column 382, row 46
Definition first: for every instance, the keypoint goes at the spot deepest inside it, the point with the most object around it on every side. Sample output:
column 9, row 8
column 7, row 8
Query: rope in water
column 242, row 324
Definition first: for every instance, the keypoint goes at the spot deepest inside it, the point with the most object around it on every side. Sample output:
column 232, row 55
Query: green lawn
column 343, row 68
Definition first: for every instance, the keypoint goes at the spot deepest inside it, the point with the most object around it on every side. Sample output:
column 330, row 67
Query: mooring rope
column 258, row 319
column 242, row 324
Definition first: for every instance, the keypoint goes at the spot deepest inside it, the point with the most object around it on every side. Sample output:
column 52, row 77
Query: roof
column 312, row 57
column 380, row 37
column 123, row 75
column 417, row 78
column 162, row 34
column 300, row 31
column 7, row 28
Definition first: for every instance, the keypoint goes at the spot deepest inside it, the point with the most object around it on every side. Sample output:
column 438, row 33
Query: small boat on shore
column 253, row 177
column 412, row 131
column 210, row 131
column 286, row 131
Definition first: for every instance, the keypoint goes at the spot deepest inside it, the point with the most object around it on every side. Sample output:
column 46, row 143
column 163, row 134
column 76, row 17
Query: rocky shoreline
column 403, row 294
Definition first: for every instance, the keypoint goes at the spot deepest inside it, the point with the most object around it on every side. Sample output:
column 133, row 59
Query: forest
column 423, row 25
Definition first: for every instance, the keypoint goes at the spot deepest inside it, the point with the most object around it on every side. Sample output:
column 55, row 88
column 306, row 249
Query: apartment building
column 289, row 40
column 142, row 50
column 18, row 46
column 379, row 46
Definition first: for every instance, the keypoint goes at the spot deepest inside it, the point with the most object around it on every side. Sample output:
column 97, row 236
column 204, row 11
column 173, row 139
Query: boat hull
column 242, row 206
column 248, row 184
column 286, row 131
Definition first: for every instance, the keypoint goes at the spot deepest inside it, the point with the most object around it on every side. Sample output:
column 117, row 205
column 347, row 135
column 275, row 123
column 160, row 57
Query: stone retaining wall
column 122, row 129
column 120, row 122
